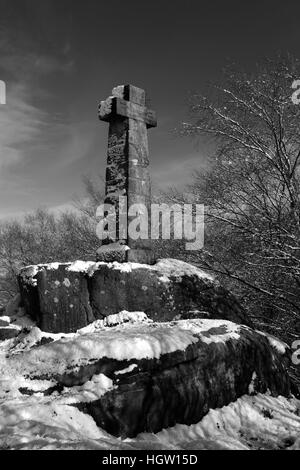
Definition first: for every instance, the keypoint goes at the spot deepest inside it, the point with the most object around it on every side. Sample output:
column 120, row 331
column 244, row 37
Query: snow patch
column 260, row 422
column 38, row 421
column 212, row 331
column 87, row 267
column 29, row 272
column 115, row 320
column 135, row 338
column 90, row 391
column 280, row 346
column 251, row 387
column 126, row 370
column 126, row 317
column 47, row 423
column 166, row 267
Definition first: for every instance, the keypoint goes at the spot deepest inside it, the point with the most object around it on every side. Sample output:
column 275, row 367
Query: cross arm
column 114, row 107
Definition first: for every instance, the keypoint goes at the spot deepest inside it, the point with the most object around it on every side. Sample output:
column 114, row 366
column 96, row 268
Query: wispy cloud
column 20, row 124
column 78, row 139
column 35, row 129
column 24, row 122
column 28, row 65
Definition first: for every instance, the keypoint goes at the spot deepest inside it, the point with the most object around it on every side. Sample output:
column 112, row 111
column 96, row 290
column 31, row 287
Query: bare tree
column 43, row 238
column 251, row 190
column 94, row 194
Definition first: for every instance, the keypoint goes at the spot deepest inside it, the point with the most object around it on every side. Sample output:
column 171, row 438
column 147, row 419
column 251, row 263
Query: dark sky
column 59, row 58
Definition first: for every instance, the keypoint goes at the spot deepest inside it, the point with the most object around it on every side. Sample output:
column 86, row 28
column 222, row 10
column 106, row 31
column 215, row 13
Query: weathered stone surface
column 127, row 172
column 28, row 290
column 56, row 299
column 115, row 107
column 161, row 374
column 63, row 300
column 182, row 386
column 8, row 333
column 130, row 93
column 167, row 290
column 117, row 161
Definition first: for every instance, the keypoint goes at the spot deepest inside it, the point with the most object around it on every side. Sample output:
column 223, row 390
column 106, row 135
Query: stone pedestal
column 63, row 298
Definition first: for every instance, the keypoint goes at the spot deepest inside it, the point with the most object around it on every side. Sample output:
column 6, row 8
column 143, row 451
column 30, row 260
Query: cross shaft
column 127, row 163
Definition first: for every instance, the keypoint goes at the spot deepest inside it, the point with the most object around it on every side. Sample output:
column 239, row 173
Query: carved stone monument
column 127, row 172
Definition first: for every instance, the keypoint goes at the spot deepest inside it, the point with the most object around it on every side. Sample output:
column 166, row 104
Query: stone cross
column 127, row 167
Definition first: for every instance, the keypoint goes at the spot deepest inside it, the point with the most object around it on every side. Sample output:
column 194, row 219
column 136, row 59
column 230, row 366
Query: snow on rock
column 87, row 267
column 134, row 337
column 98, row 341
column 183, row 369
column 29, row 273
column 91, row 390
column 168, row 267
column 36, row 337
column 8, row 332
column 174, row 267
column 67, row 297
column 126, row 370
column 16, row 316
column 4, row 321
column 251, row 387
column 114, row 320
column 280, row 346
column 217, row 331
column 138, row 342
column 14, row 319
column 92, row 327
column 125, row 317
column 164, row 291
column 51, row 387
column 259, row 422
column 21, row 319
column 37, row 423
